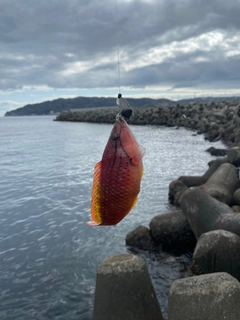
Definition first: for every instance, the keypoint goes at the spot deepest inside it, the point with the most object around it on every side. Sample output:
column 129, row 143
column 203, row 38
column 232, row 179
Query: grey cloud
column 44, row 31
column 184, row 72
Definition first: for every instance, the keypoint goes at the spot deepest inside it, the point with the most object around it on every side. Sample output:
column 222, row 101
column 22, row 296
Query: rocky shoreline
column 217, row 121
column 207, row 222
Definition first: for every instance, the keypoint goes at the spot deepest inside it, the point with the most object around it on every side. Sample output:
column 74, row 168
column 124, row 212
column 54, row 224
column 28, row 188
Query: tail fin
column 93, row 224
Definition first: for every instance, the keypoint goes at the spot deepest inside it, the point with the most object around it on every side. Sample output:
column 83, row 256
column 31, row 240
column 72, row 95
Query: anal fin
column 134, row 203
column 95, row 205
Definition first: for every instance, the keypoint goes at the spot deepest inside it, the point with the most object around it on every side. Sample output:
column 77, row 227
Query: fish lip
column 116, row 131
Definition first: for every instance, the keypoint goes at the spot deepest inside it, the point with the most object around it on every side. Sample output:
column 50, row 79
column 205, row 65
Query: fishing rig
column 125, row 110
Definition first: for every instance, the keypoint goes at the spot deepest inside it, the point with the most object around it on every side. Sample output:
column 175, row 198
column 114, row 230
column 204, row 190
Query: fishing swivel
column 125, row 108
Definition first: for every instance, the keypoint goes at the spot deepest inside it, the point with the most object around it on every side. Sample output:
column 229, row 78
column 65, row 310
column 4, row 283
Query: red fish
column 117, row 177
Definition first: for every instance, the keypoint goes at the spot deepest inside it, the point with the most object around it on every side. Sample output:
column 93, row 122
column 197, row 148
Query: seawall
column 217, row 121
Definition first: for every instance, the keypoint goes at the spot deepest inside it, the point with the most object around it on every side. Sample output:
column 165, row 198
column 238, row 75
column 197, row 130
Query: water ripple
column 49, row 255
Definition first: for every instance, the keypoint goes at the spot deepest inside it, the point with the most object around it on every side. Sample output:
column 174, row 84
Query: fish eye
column 115, row 136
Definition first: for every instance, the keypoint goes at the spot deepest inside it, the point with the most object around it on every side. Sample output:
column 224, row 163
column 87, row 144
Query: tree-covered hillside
column 60, row 105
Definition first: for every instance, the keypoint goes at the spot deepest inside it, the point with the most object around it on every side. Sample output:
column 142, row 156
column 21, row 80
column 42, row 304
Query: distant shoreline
column 57, row 106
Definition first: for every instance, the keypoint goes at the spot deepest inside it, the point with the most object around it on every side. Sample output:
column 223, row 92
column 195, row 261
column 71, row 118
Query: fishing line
column 118, row 51
column 125, row 108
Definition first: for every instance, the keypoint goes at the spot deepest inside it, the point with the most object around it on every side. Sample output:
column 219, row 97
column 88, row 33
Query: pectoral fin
column 138, row 154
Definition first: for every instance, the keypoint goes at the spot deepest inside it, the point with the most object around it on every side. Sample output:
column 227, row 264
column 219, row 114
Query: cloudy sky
column 167, row 48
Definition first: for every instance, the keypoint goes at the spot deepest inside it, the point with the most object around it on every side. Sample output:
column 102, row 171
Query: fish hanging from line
column 117, row 177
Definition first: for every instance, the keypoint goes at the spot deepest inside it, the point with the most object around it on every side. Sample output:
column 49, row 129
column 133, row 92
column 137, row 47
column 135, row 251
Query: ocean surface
column 48, row 255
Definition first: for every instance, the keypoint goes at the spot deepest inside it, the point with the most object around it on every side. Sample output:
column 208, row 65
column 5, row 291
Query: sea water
column 48, row 255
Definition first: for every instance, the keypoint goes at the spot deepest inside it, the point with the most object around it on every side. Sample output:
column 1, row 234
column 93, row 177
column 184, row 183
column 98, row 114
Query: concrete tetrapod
column 223, row 183
column 213, row 296
column 234, row 156
column 124, row 290
column 205, row 213
column 140, row 238
column 217, row 251
column 177, row 187
column 172, row 231
column 236, row 197
column 195, row 181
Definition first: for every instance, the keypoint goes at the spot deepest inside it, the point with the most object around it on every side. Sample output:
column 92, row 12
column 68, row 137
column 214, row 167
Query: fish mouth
column 117, row 129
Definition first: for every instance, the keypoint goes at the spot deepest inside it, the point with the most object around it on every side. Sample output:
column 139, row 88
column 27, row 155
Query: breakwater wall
column 215, row 120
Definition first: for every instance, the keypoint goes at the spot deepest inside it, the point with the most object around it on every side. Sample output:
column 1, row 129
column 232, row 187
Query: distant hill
column 59, row 105
column 207, row 99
